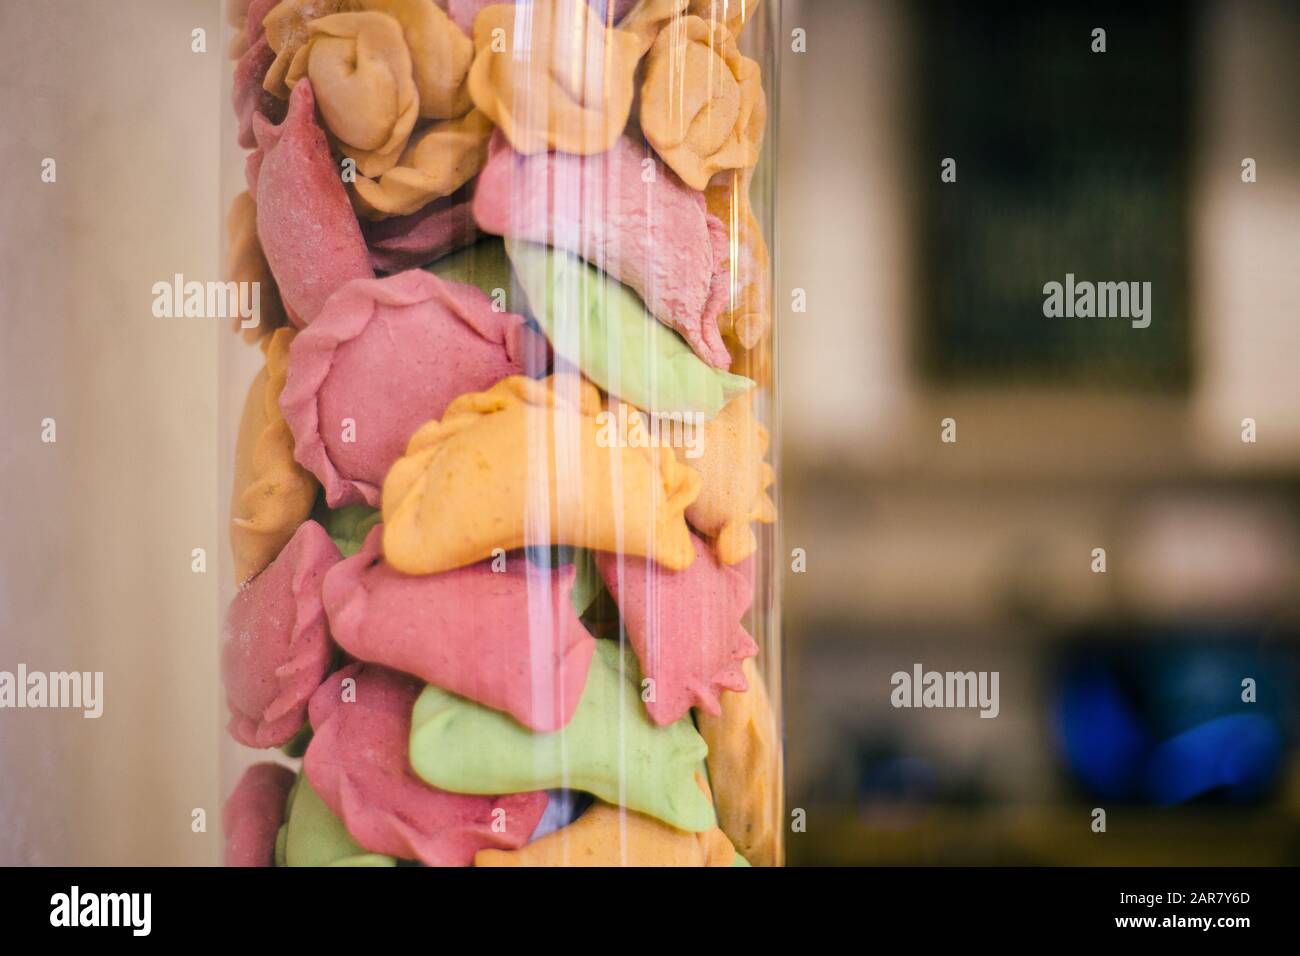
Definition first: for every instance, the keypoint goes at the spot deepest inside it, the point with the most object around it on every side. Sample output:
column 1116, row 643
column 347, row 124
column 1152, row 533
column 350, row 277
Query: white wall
column 98, row 527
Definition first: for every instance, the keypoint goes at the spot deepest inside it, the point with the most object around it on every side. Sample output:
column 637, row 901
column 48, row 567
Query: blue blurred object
column 562, row 808
column 1166, row 723
column 894, row 792
column 901, row 779
column 1237, row 754
column 1104, row 739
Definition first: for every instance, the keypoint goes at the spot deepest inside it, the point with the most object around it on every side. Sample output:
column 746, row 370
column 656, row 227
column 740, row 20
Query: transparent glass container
column 499, row 450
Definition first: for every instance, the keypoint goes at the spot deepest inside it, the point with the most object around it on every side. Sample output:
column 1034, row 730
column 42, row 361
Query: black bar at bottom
column 334, row 905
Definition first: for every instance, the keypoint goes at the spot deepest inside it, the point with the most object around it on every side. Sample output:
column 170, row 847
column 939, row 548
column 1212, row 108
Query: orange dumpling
column 610, row 836
column 526, row 463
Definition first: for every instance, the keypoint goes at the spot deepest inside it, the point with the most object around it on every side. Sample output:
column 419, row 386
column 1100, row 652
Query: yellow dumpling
column 524, row 464
column 734, row 481
column 746, row 321
column 377, row 68
column 272, row 493
column 245, row 262
column 435, row 163
column 360, row 70
column 568, row 86
column 745, row 769
column 702, row 103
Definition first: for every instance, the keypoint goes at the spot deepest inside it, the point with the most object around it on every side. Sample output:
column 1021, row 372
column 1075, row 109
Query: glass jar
column 500, row 587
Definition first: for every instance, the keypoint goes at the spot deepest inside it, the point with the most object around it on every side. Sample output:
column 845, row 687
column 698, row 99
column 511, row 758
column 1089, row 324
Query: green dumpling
column 602, row 327
column 483, row 264
column 611, row 748
column 349, row 525
column 297, row 746
column 313, row 836
column 587, row 584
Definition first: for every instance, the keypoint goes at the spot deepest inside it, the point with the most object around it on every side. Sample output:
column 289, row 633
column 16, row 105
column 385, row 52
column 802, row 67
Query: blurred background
column 1119, row 690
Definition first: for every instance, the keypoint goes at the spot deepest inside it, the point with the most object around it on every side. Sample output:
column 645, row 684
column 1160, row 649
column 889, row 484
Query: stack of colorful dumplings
column 501, row 483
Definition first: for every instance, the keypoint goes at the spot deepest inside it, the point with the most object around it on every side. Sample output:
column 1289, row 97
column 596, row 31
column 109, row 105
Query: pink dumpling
column 684, row 627
column 257, row 11
column 253, row 813
column 357, row 762
column 463, row 12
column 305, row 222
column 248, row 96
column 276, row 648
column 388, row 355
column 657, row 238
column 508, row 640
column 437, row 230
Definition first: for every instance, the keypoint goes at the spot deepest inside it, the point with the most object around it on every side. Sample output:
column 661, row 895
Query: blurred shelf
column 1053, row 836
column 1021, row 435
column 933, row 551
